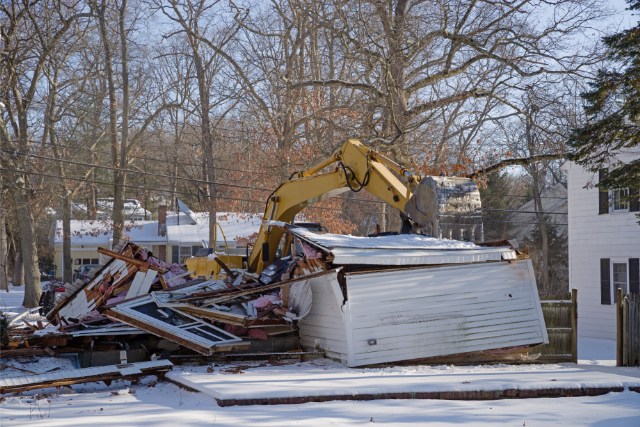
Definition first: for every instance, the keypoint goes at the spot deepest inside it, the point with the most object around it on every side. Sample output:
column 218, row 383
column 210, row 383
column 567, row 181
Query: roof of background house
column 180, row 229
column 234, row 225
column 89, row 232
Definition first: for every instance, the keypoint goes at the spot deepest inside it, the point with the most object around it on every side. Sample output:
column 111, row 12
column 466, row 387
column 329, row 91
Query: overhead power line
column 525, row 223
column 162, row 175
column 135, row 171
column 524, row 212
column 165, row 191
column 153, row 159
column 218, row 183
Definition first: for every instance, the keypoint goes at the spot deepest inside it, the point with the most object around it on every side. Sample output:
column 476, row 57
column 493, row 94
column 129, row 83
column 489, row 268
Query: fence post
column 574, row 325
column 619, row 321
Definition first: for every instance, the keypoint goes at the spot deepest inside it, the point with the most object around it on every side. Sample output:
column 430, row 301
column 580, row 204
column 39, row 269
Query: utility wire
column 252, row 172
column 524, row 212
column 231, row 185
column 525, row 223
column 164, row 161
column 164, row 191
column 161, row 175
column 134, row 171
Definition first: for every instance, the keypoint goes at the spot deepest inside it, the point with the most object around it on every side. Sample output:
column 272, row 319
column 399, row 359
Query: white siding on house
column 425, row 312
column 325, row 321
column 592, row 237
column 440, row 311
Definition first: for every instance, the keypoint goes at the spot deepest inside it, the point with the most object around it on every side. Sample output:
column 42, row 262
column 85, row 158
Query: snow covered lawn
column 166, row 405
column 11, row 301
column 323, row 377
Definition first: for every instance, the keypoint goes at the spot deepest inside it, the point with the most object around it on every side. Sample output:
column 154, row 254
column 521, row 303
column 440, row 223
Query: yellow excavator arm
column 357, row 167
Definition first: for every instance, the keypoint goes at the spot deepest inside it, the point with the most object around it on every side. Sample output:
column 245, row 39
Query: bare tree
column 31, row 32
column 417, row 57
column 147, row 113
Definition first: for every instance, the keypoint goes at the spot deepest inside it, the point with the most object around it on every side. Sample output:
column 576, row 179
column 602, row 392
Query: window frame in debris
column 127, row 308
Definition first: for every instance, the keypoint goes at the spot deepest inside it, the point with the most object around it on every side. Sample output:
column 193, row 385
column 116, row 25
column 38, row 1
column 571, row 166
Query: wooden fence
column 561, row 319
column 628, row 328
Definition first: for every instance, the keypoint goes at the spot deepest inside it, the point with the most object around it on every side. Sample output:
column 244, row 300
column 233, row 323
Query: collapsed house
column 359, row 300
column 407, row 297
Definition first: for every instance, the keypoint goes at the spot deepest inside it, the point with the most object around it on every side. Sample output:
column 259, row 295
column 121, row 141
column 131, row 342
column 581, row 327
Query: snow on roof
column 90, row 232
column 402, row 249
column 180, row 229
column 234, row 225
column 401, row 241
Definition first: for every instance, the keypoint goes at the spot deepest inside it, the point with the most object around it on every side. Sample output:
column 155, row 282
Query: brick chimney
column 162, row 220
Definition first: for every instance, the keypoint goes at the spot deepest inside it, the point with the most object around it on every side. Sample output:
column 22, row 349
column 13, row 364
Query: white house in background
column 604, row 250
column 172, row 238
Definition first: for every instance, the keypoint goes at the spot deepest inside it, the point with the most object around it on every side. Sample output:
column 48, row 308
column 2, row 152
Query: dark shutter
column 634, row 201
column 603, row 199
column 605, row 281
column 175, row 254
column 634, row 275
column 195, row 249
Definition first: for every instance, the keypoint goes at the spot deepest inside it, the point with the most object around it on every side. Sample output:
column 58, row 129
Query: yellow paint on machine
column 205, row 267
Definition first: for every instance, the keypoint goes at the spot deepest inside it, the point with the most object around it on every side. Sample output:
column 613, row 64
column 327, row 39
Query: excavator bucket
column 447, row 207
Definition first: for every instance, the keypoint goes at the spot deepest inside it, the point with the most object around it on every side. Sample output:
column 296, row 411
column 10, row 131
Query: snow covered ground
column 164, row 404
column 324, row 377
column 11, row 303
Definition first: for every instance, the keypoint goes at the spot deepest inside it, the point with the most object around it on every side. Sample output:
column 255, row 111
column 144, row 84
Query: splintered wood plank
column 134, row 290
column 148, row 280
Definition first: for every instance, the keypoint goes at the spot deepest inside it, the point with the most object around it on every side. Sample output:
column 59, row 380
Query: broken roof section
column 402, row 249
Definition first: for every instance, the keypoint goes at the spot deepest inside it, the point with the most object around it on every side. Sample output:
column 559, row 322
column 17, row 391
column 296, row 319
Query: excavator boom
column 357, row 168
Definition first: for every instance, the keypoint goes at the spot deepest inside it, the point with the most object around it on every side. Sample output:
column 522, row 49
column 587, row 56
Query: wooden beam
column 218, row 298
column 129, row 260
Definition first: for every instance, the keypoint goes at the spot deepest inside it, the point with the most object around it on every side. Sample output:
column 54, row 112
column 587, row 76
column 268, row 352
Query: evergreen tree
column 613, row 112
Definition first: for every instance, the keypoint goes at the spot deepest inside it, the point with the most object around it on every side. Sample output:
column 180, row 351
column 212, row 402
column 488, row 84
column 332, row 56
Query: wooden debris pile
column 136, row 294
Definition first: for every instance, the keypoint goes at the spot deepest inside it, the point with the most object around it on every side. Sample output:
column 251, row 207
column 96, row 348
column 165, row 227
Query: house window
column 620, row 203
column 619, row 279
column 185, row 252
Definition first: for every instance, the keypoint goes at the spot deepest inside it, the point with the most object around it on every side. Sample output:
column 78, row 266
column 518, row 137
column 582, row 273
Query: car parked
column 83, row 272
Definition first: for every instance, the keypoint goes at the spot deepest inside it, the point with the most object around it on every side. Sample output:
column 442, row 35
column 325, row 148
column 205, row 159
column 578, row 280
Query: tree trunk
column 121, row 177
column 18, row 270
column 67, row 262
column 546, row 286
column 92, row 207
column 207, row 141
column 113, row 125
column 28, row 248
column 4, row 281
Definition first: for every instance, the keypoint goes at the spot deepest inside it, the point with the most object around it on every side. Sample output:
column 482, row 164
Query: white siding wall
column 325, row 321
column 592, row 237
column 440, row 311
